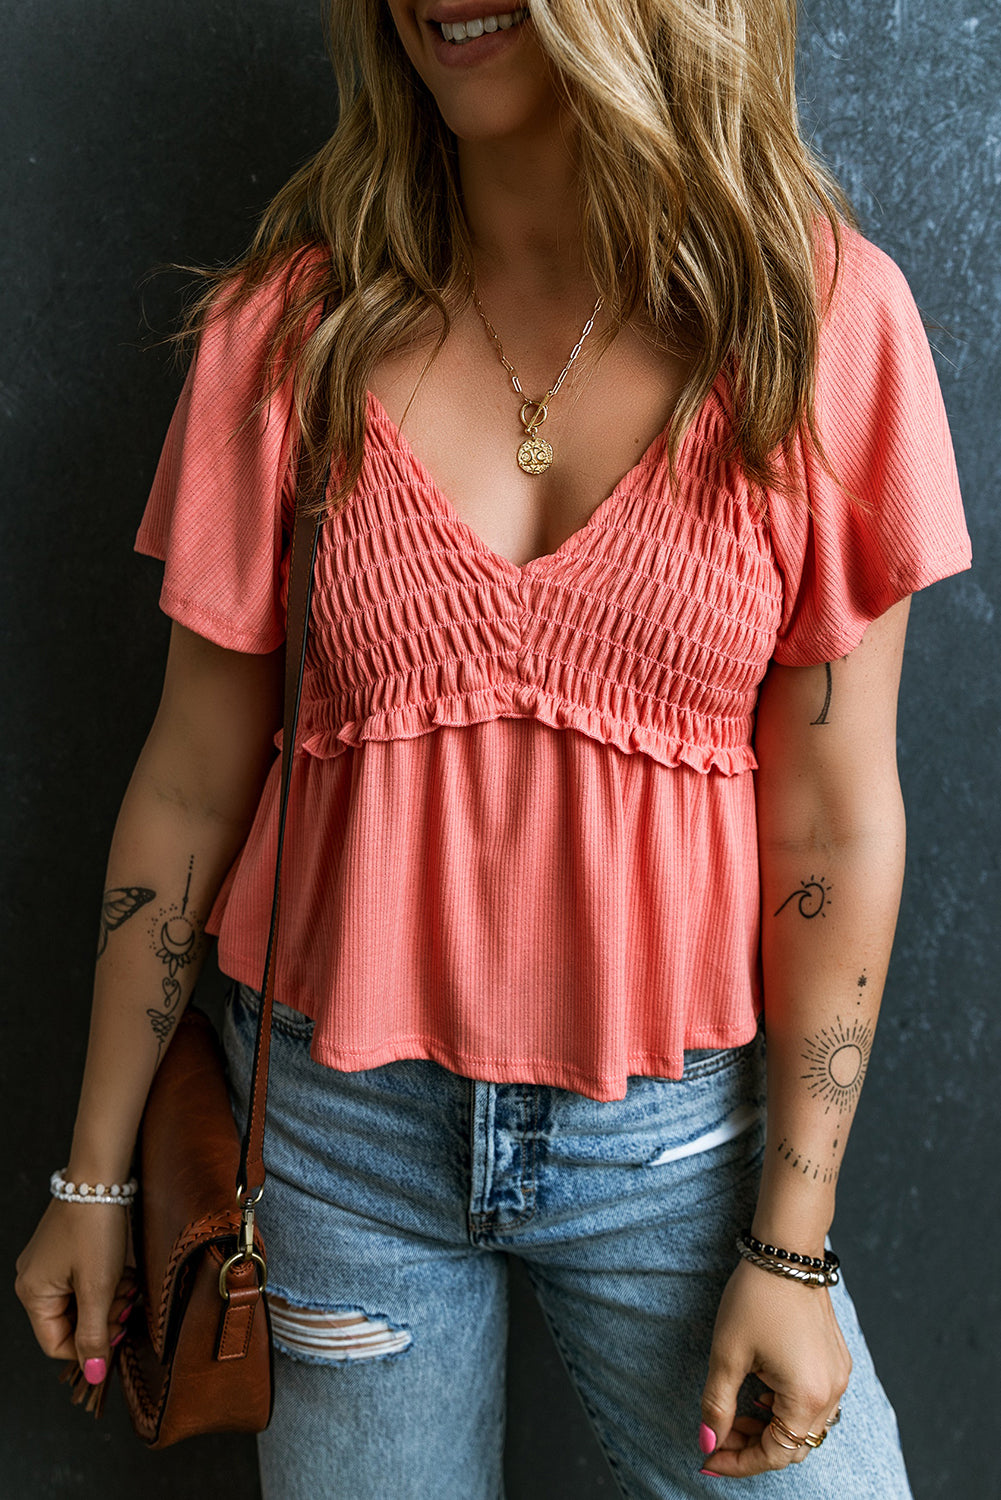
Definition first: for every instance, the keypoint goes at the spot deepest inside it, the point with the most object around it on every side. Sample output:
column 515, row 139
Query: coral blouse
column 522, row 834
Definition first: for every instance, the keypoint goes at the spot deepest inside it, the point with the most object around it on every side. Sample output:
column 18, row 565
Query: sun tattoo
column 838, row 1057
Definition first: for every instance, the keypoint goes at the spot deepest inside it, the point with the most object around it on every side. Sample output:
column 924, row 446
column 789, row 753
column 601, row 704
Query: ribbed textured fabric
column 522, row 834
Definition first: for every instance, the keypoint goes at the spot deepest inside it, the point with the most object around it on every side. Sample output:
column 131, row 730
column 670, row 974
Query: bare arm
column 831, row 839
column 184, row 818
column 831, row 845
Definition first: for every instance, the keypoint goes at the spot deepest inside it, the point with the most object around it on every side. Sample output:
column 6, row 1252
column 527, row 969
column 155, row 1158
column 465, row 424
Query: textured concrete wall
column 138, row 134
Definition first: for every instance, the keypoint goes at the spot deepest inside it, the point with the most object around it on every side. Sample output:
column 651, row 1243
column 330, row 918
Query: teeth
column 465, row 31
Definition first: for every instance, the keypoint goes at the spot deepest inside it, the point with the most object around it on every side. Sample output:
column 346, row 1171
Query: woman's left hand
column 786, row 1334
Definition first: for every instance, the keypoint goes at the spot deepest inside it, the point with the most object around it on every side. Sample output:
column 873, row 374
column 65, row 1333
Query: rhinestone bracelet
column 830, row 1261
column 121, row 1193
column 794, row 1273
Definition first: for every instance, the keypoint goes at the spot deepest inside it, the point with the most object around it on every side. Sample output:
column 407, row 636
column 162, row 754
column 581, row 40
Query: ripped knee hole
column 329, row 1335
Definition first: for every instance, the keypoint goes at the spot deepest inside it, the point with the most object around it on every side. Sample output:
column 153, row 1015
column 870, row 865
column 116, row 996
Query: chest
column 462, row 423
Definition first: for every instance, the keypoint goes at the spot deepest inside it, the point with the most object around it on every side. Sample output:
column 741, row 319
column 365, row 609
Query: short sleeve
column 883, row 425
column 215, row 512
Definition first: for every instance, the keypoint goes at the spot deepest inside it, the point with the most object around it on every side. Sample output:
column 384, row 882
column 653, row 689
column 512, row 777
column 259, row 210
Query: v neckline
column 650, row 456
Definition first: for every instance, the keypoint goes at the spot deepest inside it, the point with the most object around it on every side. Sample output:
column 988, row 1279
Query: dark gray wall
column 141, row 133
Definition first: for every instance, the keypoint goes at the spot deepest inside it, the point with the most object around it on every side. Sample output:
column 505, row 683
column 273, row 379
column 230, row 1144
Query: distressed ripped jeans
column 393, row 1198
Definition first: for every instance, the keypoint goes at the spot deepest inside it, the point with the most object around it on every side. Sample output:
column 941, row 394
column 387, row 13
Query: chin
column 494, row 86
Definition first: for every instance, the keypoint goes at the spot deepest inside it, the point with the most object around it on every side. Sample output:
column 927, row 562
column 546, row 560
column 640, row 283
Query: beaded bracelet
column 121, row 1193
column 794, row 1273
column 830, row 1261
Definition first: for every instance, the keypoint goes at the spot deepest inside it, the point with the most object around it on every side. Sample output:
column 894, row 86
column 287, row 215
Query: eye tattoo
column 822, row 716
column 812, row 896
column 120, row 903
column 838, row 1057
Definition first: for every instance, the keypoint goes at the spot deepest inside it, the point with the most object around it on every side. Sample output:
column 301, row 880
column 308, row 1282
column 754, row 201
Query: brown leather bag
column 197, row 1355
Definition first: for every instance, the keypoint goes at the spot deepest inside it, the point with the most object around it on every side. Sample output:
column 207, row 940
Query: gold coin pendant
column 535, row 455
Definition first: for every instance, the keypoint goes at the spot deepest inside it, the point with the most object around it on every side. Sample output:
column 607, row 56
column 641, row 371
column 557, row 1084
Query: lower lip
column 479, row 49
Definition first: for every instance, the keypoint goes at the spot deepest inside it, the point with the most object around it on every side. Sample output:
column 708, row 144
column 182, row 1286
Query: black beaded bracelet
column 830, row 1261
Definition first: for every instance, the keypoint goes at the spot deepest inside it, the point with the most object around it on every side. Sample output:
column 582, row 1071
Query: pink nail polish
column 707, row 1439
column 123, row 1316
column 94, row 1371
column 710, row 1473
column 117, row 1339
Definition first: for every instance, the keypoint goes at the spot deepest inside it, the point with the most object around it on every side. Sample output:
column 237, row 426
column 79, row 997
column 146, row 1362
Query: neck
column 522, row 205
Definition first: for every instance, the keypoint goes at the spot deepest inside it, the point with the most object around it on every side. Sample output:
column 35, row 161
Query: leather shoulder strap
column 305, row 536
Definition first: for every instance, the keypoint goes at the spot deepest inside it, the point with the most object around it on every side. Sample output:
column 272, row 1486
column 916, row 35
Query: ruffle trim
column 523, row 701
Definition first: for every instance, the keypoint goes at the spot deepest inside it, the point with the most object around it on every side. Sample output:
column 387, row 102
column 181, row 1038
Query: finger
column 757, row 1452
column 52, row 1319
column 93, row 1341
column 719, row 1402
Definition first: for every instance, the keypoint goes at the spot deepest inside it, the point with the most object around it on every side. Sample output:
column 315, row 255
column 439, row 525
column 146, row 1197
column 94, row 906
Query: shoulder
column 872, row 308
column 243, row 323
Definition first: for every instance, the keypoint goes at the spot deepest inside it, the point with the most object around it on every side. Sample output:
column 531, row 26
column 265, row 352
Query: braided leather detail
column 200, row 1233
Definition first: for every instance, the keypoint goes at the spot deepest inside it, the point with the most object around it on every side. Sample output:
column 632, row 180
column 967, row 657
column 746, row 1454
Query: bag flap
column 188, row 1155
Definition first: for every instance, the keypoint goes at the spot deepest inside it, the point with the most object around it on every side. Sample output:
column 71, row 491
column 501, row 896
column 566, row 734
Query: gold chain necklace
column 535, row 454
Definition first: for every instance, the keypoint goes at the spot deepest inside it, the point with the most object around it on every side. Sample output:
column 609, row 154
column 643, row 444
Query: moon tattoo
column 178, row 946
column 812, row 896
column 838, row 1057
column 822, row 716
column 177, row 941
column 119, row 904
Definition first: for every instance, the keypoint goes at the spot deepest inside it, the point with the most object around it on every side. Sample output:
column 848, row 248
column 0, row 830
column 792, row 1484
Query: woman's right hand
column 74, row 1283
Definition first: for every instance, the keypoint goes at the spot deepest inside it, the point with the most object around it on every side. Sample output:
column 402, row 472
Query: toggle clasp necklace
column 534, row 454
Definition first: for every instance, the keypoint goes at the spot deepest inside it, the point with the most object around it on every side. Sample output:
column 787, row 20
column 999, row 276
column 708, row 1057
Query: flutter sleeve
column 883, row 424
column 217, row 512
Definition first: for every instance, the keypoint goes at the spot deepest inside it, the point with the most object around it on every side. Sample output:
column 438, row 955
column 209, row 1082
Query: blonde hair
column 702, row 208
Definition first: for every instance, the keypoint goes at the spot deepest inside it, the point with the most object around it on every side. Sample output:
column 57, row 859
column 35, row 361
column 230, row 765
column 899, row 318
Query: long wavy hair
column 702, row 208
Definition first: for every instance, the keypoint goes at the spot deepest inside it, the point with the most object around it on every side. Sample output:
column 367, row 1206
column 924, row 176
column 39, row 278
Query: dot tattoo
column 811, row 896
column 838, row 1057
column 119, row 904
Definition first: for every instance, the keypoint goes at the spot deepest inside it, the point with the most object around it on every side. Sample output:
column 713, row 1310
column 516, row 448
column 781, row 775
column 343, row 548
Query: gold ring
column 776, row 1425
column 813, row 1441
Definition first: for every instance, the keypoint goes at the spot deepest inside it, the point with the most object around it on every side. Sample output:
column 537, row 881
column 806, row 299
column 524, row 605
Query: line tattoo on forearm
column 805, row 1164
column 838, row 1057
column 119, row 904
column 822, row 716
column 177, row 945
column 811, row 895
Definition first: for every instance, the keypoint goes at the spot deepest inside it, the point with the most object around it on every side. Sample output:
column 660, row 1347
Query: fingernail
column 710, row 1473
column 94, row 1371
column 123, row 1316
column 707, row 1439
column 117, row 1339
column 763, row 1404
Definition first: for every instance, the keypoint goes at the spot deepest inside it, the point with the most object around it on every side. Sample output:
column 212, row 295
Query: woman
column 596, row 838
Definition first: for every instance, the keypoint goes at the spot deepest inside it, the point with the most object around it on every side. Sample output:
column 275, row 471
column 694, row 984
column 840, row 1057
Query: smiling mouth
column 459, row 32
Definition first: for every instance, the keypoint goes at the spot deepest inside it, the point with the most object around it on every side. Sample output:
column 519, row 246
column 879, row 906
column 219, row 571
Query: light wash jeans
column 393, row 1198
